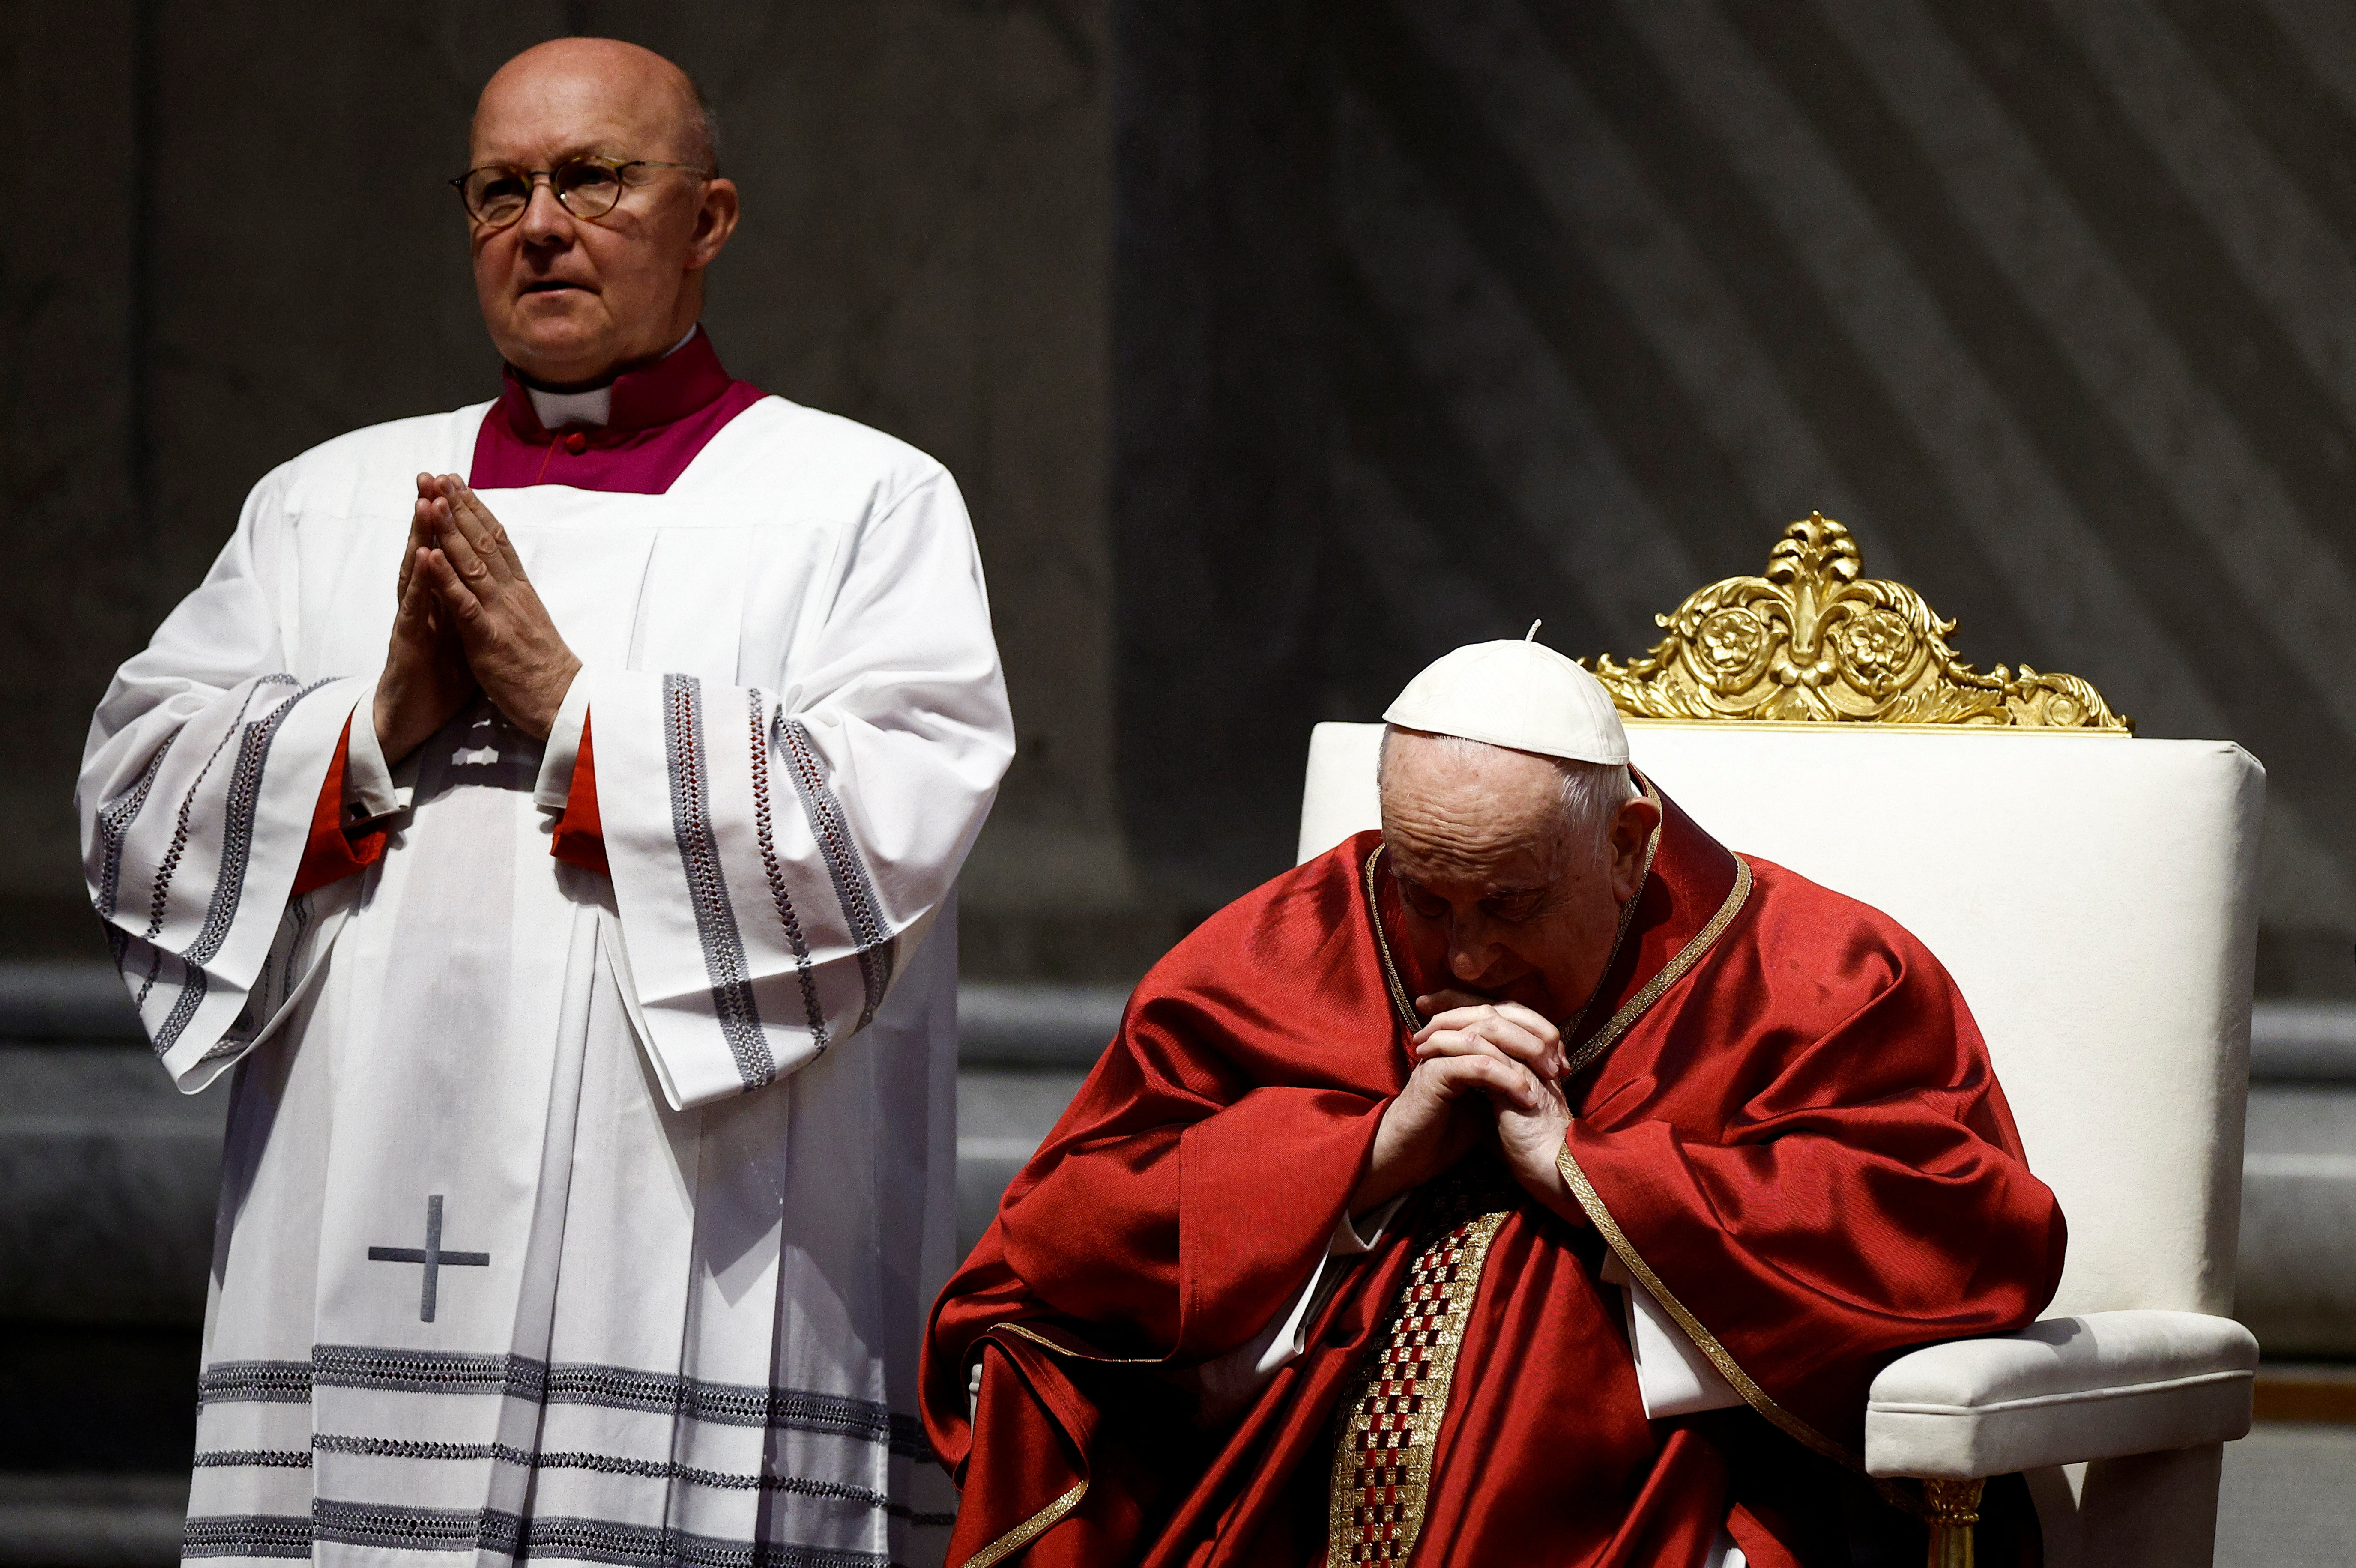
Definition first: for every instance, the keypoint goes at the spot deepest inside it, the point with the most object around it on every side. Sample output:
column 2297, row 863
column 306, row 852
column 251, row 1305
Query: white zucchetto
column 1523, row 695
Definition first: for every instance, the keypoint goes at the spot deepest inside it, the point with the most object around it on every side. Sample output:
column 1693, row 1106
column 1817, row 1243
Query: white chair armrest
column 2061, row 1391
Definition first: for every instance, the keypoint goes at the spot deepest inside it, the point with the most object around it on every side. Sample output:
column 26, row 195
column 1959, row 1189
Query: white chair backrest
column 2093, row 896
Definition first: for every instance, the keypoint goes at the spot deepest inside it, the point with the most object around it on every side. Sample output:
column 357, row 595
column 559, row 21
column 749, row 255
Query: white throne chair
column 2093, row 896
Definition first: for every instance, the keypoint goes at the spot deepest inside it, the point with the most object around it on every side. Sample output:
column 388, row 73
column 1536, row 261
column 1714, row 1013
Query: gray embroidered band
column 269, row 1382
column 272, row 989
column 610, row 1465
column 193, row 986
column 586, row 1540
column 615, row 1388
column 254, row 742
column 114, row 825
column 246, row 1535
column 254, row 1460
column 707, row 889
column 845, row 866
column 237, row 839
column 758, row 706
column 159, row 893
column 164, row 872
column 147, row 982
column 427, row 1372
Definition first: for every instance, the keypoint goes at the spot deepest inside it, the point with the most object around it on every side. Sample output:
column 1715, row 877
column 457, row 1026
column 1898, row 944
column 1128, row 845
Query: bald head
column 573, row 299
column 606, row 78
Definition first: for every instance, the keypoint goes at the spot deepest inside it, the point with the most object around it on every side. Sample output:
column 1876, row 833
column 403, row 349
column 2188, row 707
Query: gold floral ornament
column 1816, row 641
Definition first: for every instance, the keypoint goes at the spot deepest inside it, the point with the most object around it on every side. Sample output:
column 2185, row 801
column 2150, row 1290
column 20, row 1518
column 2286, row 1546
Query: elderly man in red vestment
column 1326, row 1261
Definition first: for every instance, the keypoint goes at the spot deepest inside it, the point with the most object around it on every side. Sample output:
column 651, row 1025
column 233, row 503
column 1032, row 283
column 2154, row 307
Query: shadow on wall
column 1431, row 321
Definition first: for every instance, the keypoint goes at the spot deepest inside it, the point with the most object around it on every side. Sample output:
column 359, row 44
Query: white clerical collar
column 594, row 405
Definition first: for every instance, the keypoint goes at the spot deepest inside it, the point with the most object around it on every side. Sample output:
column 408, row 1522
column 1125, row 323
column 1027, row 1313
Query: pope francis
column 1532, row 1181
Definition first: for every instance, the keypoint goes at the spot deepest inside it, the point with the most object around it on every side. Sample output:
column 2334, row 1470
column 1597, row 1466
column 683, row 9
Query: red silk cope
column 1800, row 1136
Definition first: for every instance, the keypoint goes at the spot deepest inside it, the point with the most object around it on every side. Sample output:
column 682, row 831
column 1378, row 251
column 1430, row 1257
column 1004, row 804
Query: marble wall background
column 1503, row 309
column 229, row 239
column 1280, row 345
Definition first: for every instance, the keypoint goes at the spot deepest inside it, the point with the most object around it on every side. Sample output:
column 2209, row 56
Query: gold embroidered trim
column 1387, row 1422
column 1600, row 1216
column 1594, row 1047
column 1399, row 999
column 1029, row 1531
column 1041, row 1339
column 1757, row 1398
column 1673, row 971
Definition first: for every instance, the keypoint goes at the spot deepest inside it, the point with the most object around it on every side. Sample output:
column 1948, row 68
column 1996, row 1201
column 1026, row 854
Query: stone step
column 91, row 1520
column 107, row 1181
column 2280, row 1505
column 107, row 1176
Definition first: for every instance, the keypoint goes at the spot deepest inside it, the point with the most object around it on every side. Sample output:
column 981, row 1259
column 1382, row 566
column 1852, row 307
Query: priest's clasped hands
column 468, row 620
column 1476, row 1054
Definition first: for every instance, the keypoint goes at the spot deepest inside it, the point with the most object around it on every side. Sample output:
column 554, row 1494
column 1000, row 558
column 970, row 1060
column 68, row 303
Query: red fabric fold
column 333, row 851
column 1802, row 1137
column 580, row 836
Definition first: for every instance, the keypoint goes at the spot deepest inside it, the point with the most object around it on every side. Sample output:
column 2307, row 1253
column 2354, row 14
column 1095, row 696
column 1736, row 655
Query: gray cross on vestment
column 431, row 1255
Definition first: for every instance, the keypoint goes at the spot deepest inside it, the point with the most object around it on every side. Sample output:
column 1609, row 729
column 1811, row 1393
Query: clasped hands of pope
column 1521, row 902
column 467, row 620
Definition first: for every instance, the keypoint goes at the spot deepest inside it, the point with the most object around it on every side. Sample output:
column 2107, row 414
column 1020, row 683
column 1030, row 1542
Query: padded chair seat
column 2060, row 1392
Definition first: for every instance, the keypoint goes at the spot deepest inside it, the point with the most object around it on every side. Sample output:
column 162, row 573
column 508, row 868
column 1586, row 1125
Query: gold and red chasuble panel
column 1387, row 1422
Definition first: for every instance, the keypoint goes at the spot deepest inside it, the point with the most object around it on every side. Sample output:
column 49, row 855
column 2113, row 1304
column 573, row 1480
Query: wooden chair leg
column 1955, row 1509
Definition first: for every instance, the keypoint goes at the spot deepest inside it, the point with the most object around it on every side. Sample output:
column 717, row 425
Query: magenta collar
column 662, row 416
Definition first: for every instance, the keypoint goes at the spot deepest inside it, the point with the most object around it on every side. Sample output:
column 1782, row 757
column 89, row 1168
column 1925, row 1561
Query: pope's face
column 572, row 301
column 1494, row 896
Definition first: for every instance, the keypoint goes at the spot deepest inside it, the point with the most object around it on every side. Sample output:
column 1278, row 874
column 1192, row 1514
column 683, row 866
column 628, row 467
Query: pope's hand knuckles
column 1464, row 1043
column 1506, row 1043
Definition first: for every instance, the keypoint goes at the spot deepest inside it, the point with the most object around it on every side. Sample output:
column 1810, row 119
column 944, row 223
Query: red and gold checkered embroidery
column 1390, row 1418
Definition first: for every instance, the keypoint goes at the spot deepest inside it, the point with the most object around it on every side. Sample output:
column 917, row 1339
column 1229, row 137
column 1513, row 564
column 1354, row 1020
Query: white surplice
column 567, row 1217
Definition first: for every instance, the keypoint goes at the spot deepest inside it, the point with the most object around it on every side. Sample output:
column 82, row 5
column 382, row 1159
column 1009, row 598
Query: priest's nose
column 544, row 218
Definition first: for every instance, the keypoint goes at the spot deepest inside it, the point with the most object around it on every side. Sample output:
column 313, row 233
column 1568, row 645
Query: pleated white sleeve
column 777, row 850
column 199, row 781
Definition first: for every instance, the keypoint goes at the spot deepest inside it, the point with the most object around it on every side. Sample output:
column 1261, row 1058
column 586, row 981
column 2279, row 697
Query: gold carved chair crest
column 1816, row 641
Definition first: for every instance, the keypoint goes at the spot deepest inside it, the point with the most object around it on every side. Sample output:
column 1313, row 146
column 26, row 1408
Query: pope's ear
column 1632, row 830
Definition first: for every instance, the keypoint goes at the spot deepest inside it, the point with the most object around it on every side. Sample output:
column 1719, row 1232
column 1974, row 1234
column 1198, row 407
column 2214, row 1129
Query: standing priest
column 547, row 812
column 1533, row 1181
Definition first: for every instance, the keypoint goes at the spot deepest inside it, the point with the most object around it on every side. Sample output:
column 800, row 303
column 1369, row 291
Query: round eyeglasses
column 495, row 195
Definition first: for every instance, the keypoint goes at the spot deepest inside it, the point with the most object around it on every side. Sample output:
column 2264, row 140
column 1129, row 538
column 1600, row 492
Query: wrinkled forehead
column 1471, row 865
column 1470, row 844
column 1469, row 813
column 534, row 115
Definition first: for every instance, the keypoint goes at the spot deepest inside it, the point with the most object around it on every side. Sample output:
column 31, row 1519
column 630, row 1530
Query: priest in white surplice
column 578, row 941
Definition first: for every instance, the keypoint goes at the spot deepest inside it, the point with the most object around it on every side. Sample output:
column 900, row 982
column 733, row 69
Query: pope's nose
column 1466, row 964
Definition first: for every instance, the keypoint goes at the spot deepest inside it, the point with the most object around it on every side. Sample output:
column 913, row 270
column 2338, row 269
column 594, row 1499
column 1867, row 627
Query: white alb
column 568, row 1217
